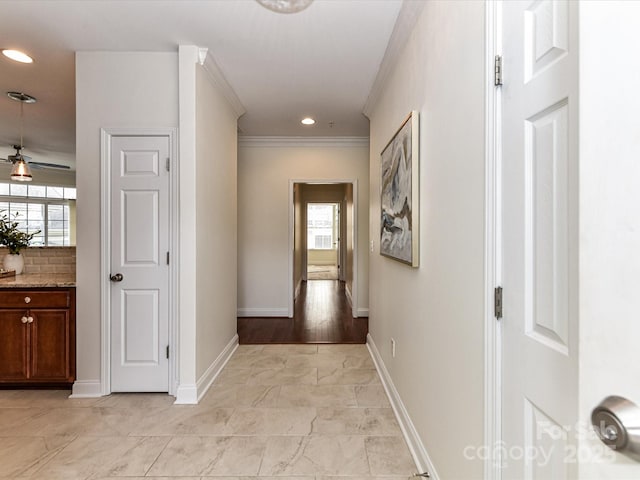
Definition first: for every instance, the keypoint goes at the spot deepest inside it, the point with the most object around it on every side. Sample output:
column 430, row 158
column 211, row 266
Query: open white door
column 539, row 218
column 139, row 263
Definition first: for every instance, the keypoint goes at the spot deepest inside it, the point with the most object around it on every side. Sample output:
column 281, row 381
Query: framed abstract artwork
column 399, row 194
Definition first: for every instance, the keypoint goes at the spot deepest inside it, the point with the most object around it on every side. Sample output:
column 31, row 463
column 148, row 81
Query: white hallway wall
column 112, row 90
column 208, row 162
column 264, row 171
column 140, row 90
column 216, row 218
column 435, row 313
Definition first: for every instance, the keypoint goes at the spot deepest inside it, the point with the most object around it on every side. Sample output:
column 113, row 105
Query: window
column 39, row 207
column 322, row 242
column 322, row 226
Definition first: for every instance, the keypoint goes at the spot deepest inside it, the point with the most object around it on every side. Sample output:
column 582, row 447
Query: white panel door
column 139, row 246
column 539, row 205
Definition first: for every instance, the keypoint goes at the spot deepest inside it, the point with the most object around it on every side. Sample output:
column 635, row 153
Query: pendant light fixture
column 21, row 171
column 285, row 6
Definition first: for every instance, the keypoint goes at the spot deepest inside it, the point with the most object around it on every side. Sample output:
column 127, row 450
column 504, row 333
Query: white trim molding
column 86, row 389
column 298, row 288
column 105, row 258
column 291, row 250
column 407, row 18
column 416, row 447
column 362, row 312
column 219, row 80
column 274, row 141
column 188, row 56
column 492, row 254
column 186, row 394
column 192, row 394
column 347, row 292
column 355, row 280
column 263, row 312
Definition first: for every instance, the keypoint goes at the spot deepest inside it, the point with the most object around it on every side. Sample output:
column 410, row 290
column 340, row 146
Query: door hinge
column 497, row 70
column 497, row 302
column 167, row 258
column 168, row 165
column 167, row 351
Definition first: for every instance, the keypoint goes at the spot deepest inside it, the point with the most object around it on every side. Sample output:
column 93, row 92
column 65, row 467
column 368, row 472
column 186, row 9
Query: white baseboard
column 190, row 394
column 86, row 389
column 347, row 292
column 186, row 394
column 298, row 287
column 263, row 312
column 363, row 312
column 416, row 447
column 205, row 381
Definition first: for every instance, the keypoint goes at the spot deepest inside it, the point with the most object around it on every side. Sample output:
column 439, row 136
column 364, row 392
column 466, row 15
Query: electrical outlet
column 393, row 348
column 371, row 246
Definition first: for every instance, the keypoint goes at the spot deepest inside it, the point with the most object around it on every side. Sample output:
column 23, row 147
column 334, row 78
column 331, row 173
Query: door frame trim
column 106, row 134
column 291, row 241
column 305, row 240
column 493, row 245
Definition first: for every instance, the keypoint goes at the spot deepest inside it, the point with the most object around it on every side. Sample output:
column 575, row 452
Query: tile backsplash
column 47, row 259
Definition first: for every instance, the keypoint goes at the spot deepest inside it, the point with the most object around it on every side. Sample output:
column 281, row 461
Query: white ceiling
column 321, row 62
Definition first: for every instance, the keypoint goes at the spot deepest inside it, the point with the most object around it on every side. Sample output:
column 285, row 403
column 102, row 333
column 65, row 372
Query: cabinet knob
column 29, row 319
column 27, row 299
column 24, row 319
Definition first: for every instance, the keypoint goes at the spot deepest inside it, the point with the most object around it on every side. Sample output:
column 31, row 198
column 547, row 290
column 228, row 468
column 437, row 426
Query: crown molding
column 264, row 141
column 211, row 67
column 407, row 18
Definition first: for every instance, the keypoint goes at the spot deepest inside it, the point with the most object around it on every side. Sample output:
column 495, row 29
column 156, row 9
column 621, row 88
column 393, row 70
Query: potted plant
column 14, row 240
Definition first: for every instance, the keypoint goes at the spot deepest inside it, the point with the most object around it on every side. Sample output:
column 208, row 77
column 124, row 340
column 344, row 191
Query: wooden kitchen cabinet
column 37, row 337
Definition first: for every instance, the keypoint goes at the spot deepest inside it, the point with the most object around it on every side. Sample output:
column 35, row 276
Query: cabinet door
column 50, row 345
column 13, row 346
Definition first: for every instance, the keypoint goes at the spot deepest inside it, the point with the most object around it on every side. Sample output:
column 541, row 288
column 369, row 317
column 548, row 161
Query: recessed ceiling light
column 18, row 56
column 308, row 121
column 285, row 6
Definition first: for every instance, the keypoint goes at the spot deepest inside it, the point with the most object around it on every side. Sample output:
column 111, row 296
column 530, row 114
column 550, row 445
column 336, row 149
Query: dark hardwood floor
column 322, row 314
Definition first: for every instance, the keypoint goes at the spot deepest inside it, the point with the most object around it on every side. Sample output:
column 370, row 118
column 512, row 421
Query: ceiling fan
column 21, row 171
column 18, row 155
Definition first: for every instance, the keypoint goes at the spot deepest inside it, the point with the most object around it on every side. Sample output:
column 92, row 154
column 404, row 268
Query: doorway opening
column 336, row 235
column 323, row 241
column 320, row 311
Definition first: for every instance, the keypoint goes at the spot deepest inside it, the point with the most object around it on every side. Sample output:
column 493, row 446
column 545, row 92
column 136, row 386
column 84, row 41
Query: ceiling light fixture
column 285, row 6
column 21, row 171
column 308, row 121
column 17, row 55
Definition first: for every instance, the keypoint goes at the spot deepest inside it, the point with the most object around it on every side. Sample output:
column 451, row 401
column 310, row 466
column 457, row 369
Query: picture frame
column 399, row 194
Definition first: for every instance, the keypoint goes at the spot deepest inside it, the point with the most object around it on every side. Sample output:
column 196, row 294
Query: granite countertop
column 31, row 280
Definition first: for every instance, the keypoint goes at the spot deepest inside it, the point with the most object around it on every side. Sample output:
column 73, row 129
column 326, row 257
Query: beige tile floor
column 297, row 412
